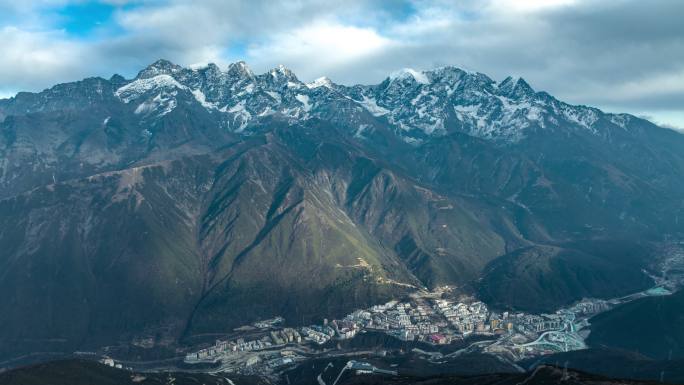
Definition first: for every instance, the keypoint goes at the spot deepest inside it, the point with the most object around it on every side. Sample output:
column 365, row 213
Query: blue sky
column 622, row 55
column 81, row 20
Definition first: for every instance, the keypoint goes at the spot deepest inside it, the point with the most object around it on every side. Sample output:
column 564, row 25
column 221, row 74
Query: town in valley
column 426, row 321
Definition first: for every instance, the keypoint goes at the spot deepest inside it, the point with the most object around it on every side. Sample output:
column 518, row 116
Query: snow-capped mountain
column 416, row 104
column 192, row 200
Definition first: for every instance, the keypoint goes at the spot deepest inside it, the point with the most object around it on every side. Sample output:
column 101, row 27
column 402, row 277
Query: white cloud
column 673, row 119
column 529, row 5
column 6, row 94
column 651, row 85
column 319, row 47
column 37, row 59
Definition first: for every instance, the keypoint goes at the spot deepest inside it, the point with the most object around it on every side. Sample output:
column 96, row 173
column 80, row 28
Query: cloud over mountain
column 623, row 56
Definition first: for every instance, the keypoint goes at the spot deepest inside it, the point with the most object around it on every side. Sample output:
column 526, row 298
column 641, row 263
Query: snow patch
column 471, row 113
column 405, row 73
column 620, row 120
column 241, row 116
column 304, row 99
column 162, row 103
column 360, row 130
column 275, row 96
column 418, row 97
column 137, row 88
column 582, row 117
column 266, row 111
column 320, row 82
column 202, row 99
column 372, row 106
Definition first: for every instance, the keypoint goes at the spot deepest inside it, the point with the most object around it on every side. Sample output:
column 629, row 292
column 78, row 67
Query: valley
column 437, row 327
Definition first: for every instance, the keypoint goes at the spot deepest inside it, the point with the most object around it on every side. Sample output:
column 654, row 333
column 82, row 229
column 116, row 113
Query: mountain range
column 188, row 201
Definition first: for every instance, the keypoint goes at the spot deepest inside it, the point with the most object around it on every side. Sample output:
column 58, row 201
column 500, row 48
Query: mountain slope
column 545, row 278
column 653, row 326
column 187, row 201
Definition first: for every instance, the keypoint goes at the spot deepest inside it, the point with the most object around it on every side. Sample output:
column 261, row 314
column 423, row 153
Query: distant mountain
column 190, row 201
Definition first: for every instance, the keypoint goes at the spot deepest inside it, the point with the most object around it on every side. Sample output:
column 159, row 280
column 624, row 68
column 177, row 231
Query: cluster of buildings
column 590, row 307
column 438, row 322
column 259, row 363
column 285, row 336
column 409, row 321
column 273, row 339
column 441, row 321
column 470, row 318
column 318, row 334
column 532, row 324
column 429, row 319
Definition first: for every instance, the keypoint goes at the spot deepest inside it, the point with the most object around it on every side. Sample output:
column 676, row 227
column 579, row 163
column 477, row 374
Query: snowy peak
column 416, row 105
column 446, row 74
column 515, row 87
column 160, row 67
column 281, row 72
column 211, row 69
column 139, row 87
column 239, row 69
column 323, row 81
column 409, row 74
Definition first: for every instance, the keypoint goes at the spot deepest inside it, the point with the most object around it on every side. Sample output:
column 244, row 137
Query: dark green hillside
column 74, row 372
column 617, row 363
column 544, row 278
column 651, row 326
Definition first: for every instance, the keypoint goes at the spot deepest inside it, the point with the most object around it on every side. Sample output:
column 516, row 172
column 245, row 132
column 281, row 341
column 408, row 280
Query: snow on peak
column 200, row 66
column 406, row 73
column 515, row 86
column 240, row 68
column 166, row 86
column 423, row 102
column 282, row 70
column 323, row 81
column 159, row 67
column 136, row 88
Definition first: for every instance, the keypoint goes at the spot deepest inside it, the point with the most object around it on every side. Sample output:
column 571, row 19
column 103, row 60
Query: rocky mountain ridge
column 417, row 104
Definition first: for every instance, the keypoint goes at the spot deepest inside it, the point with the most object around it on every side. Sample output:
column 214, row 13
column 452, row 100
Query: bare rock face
column 187, row 201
